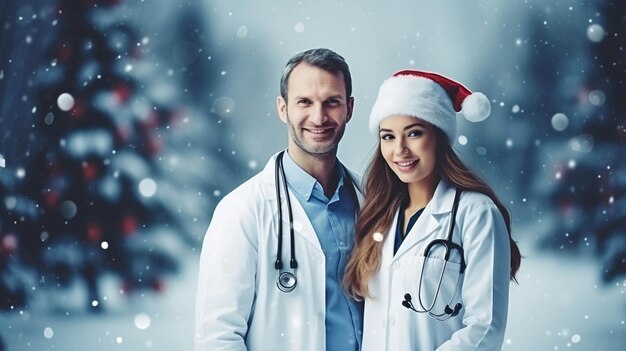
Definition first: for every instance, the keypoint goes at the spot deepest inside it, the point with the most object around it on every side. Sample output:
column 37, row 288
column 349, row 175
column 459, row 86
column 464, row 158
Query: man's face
column 316, row 112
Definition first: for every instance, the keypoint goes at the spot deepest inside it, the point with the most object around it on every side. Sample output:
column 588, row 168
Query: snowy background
column 154, row 109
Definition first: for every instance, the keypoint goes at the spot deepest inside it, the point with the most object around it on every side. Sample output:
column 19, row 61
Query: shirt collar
column 303, row 183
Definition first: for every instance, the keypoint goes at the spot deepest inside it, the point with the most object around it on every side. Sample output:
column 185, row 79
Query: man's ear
column 281, row 107
column 350, row 105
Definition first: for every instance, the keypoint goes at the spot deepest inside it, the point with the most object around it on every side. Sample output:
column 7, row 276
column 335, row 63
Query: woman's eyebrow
column 417, row 124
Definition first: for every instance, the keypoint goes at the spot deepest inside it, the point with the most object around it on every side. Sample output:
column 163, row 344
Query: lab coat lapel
column 428, row 225
column 424, row 228
column 301, row 223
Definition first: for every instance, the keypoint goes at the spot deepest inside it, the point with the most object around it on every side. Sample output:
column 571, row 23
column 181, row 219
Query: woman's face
column 409, row 146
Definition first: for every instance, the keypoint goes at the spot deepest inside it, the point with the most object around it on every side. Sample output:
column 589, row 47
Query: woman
column 433, row 255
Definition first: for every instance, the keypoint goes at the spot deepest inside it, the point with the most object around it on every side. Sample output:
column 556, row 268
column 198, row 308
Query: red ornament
column 8, row 245
column 122, row 93
column 90, row 171
column 128, row 225
column 158, row 285
column 51, row 198
column 94, row 232
column 154, row 145
column 78, row 110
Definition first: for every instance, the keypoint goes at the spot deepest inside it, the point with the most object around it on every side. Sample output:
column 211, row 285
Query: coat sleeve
column 485, row 290
column 226, row 279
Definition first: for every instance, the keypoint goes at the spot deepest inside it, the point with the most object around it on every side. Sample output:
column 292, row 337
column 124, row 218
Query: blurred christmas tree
column 578, row 104
column 12, row 287
column 93, row 172
column 115, row 162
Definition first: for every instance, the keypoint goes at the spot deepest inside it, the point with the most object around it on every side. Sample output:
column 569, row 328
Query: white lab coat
column 483, row 290
column 238, row 305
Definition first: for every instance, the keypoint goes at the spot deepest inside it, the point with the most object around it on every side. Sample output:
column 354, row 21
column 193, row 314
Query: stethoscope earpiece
column 453, row 312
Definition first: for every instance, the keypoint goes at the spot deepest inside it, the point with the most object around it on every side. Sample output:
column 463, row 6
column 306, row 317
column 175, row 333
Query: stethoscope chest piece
column 286, row 282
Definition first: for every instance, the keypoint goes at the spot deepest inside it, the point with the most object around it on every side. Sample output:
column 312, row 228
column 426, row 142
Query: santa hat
column 429, row 96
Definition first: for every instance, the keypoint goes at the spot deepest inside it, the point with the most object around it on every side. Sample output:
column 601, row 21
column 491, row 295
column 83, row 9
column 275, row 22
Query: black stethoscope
column 449, row 247
column 287, row 281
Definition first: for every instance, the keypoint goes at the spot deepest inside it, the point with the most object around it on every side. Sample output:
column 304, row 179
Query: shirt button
column 341, row 243
column 396, row 265
column 392, row 321
column 318, row 259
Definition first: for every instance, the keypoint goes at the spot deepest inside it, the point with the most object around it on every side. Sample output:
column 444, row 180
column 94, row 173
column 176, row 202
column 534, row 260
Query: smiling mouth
column 406, row 163
column 318, row 130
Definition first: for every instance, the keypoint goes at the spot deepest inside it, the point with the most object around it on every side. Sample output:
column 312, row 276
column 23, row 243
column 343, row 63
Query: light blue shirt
column 333, row 222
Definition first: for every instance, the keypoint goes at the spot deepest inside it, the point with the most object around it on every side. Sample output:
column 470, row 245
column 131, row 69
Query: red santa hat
column 429, row 96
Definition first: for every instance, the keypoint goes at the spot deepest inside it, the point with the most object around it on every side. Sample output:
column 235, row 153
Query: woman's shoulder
column 475, row 199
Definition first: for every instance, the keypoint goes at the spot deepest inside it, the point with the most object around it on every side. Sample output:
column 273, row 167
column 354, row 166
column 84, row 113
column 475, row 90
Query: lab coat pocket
column 434, row 284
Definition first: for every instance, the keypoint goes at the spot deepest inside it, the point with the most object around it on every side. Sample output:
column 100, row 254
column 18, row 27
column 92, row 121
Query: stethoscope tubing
column 293, row 263
column 287, row 281
column 449, row 246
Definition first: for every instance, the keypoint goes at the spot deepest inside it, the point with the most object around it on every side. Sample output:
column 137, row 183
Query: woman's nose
column 400, row 146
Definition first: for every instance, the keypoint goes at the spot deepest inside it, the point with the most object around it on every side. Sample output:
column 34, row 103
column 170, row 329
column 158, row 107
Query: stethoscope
column 449, row 247
column 287, row 281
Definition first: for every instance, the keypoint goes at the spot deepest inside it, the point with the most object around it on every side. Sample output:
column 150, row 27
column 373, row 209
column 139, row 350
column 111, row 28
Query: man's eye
column 333, row 102
column 303, row 102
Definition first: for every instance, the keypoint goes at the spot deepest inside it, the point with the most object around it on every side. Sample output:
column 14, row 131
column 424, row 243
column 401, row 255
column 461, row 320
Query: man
column 294, row 219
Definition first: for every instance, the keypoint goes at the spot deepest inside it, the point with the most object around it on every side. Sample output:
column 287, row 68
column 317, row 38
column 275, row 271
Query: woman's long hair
column 383, row 194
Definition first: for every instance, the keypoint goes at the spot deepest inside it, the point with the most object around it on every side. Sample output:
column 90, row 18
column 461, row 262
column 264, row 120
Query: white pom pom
column 476, row 107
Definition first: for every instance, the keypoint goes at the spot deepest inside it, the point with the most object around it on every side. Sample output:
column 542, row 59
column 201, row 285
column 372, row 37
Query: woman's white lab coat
column 483, row 290
column 238, row 305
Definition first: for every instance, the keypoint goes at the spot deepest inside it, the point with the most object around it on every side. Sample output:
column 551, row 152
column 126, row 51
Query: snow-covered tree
column 121, row 171
column 579, row 114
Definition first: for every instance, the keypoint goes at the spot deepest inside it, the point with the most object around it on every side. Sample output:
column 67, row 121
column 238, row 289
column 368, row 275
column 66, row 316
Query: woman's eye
column 415, row 133
column 386, row 137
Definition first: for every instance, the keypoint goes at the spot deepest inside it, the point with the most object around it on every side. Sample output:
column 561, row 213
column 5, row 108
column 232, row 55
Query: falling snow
column 551, row 149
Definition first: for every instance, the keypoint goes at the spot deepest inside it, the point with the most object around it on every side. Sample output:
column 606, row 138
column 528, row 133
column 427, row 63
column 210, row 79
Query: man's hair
column 325, row 59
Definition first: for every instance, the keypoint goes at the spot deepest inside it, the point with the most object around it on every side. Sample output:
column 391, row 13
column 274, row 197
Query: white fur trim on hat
column 414, row 96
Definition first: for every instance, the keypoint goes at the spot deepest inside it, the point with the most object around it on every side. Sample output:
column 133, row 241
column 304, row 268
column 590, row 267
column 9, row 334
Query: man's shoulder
column 249, row 192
